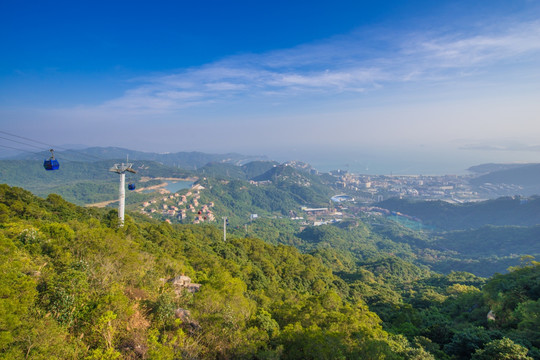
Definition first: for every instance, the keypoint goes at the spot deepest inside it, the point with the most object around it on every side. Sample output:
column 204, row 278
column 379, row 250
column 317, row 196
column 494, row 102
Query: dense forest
column 482, row 237
column 504, row 211
column 75, row 285
column 503, row 229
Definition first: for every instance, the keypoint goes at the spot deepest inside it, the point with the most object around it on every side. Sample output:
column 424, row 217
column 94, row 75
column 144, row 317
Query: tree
column 17, row 293
column 503, row 349
column 465, row 342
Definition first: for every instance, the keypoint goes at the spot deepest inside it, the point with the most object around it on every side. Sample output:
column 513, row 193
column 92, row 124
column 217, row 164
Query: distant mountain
column 257, row 168
column 491, row 167
column 506, row 211
column 526, row 177
column 185, row 160
column 279, row 172
column 230, row 171
column 307, row 188
column 292, row 171
column 222, row 171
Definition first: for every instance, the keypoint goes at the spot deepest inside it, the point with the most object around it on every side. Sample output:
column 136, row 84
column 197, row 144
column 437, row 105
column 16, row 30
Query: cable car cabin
column 131, row 186
column 51, row 164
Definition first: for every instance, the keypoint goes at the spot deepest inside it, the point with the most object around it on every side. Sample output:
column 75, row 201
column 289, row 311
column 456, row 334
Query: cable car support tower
column 121, row 169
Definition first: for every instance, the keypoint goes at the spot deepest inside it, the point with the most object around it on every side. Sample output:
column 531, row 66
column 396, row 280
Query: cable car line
column 49, row 164
column 29, row 151
column 49, row 146
column 52, row 163
column 20, row 142
column 13, row 148
column 60, row 157
column 34, row 153
column 22, row 137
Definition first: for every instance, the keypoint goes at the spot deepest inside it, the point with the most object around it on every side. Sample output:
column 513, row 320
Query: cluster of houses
column 186, row 207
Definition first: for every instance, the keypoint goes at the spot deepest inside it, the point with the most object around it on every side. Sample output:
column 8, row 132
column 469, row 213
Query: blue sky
column 437, row 81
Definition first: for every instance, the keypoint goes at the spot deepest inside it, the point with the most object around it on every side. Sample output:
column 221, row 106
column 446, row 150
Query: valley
column 310, row 258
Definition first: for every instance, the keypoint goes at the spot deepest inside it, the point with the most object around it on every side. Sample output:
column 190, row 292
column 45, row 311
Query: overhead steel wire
column 25, row 138
column 50, row 146
column 33, row 152
column 13, row 148
column 20, row 142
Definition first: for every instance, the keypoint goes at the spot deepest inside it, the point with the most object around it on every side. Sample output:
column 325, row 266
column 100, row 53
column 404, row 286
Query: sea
column 178, row 185
column 407, row 162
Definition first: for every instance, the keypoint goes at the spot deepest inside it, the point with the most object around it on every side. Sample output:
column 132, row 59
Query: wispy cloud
column 342, row 64
column 465, row 51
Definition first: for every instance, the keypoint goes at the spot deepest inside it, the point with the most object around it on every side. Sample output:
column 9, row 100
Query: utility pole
column 225, row 223
column 121, row 169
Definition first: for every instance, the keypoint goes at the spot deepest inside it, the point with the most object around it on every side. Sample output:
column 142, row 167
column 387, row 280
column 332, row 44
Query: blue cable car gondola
column 51, row 163
column 131, row 186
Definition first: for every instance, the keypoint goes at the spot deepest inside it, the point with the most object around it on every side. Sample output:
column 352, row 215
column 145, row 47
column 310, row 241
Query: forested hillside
column 247, row 171
column 80, row 182
column 525, row 175
column 505, row 211
column 73, row 285
column 502, row 230
column 237, row 198
column 483, row 238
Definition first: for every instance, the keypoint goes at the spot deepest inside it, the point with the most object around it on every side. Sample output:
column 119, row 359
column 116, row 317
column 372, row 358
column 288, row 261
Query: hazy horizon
column 392, row 87
column 391, row 161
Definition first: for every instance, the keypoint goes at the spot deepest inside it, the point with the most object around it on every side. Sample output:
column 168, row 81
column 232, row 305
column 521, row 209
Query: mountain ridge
column 187, row 160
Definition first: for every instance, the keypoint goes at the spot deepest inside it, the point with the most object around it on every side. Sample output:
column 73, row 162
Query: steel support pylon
column 121, row 169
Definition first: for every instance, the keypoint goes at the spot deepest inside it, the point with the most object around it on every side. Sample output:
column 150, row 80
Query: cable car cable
column 62, row 157
column 22, row 137
column 13, row 148
column 20, row 142
column 32, row 152
column 49, row 146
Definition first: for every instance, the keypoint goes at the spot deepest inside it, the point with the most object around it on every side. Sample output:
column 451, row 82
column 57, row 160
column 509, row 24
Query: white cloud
column 472, row 50
column 224, row 86
column 342, row 64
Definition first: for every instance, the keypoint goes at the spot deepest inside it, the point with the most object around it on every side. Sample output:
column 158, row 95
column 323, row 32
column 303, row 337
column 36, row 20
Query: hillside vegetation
column 505, row 211
column 503, row 229
column 482, row 238
column 75, row 286
column 79, row 182
column 78, row 287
